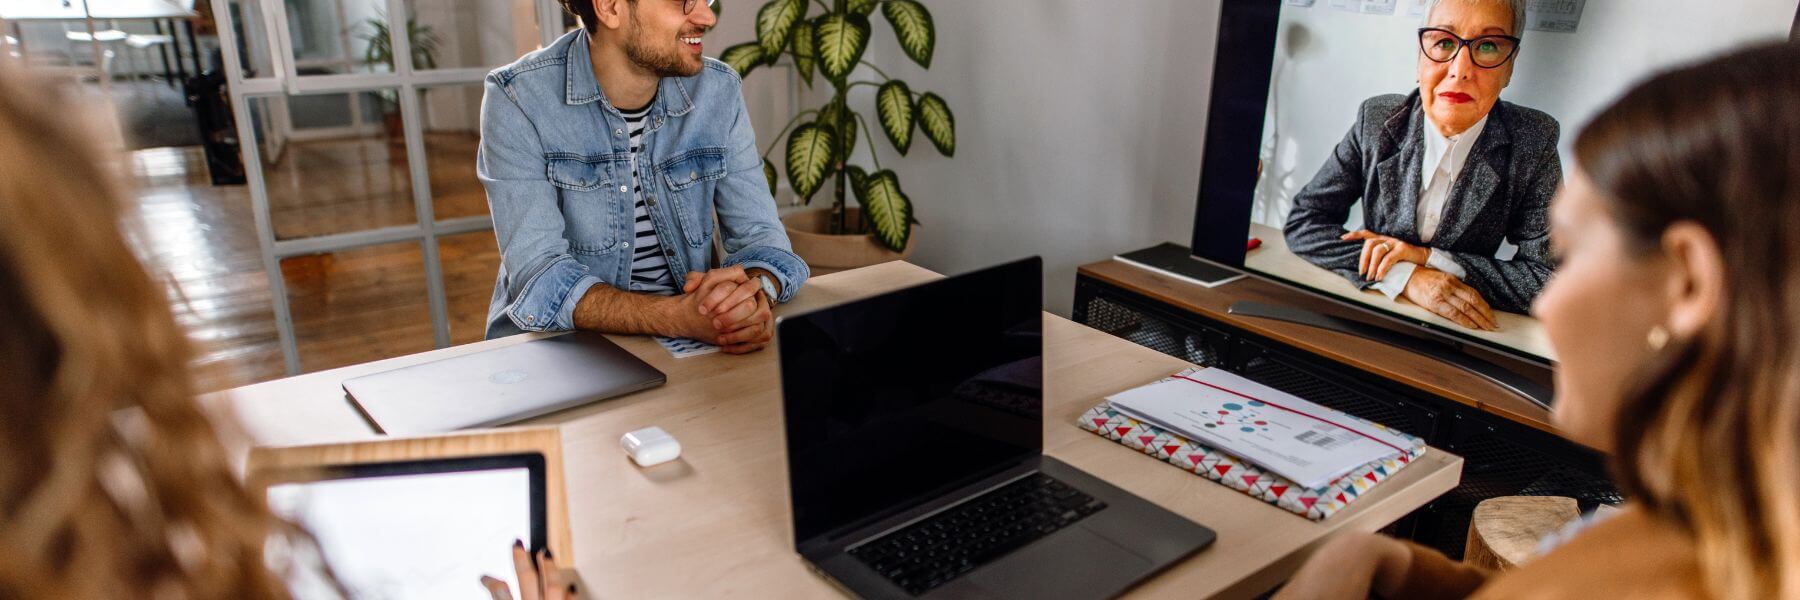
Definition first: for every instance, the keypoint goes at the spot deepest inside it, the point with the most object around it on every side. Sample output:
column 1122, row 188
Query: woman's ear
column 1696, row 285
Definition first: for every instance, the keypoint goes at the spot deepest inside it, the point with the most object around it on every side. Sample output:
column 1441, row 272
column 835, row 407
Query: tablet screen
column 421, row 529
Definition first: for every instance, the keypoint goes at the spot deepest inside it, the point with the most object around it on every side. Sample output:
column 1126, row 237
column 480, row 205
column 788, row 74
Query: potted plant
column 819, row 141
column 424, row 43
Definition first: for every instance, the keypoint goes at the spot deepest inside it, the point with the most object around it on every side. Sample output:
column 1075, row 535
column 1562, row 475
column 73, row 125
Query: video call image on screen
column 1433, row 134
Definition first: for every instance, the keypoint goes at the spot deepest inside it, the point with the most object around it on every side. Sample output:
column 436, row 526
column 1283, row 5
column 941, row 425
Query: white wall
column 1328, row 61
column 770, row 92
column 1079, row 127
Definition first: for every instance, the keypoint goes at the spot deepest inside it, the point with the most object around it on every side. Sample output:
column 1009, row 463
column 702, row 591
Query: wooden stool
column 1504, row 532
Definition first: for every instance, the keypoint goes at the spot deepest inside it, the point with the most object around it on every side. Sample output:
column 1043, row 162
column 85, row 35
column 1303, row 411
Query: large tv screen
column 1409, row 149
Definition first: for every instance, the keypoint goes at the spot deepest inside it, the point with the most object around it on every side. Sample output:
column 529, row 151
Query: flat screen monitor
column 1331, row 117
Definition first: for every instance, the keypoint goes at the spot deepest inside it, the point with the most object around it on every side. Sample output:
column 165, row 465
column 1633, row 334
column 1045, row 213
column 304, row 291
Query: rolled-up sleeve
column 753, row 236
column 543, row 283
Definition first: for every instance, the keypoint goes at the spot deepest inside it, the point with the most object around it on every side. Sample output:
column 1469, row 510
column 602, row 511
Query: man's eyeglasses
column 687, row 6
column 1487, row 52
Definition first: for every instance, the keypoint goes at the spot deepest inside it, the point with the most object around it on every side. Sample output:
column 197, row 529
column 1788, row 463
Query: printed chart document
column 1304, row 442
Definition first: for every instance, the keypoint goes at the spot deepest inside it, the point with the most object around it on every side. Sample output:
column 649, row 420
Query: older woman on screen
column 1444, row 175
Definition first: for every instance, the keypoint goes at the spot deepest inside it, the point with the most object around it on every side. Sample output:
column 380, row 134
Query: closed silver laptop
column 500, row 386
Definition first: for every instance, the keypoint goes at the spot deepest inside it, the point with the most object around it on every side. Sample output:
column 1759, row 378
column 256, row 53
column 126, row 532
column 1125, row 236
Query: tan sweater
column 1630, row 555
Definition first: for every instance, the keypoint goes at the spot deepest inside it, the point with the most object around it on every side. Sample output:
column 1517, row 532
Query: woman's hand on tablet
column 539, row 578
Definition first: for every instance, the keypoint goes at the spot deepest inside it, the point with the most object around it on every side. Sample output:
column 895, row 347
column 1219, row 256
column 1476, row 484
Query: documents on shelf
column 1296, row 439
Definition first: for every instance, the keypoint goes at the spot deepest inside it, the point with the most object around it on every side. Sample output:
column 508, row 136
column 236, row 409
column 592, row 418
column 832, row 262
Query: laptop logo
column 508, row 377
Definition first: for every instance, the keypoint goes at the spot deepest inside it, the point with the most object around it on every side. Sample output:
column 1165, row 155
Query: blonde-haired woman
column 113, row 483
column 1677, row 313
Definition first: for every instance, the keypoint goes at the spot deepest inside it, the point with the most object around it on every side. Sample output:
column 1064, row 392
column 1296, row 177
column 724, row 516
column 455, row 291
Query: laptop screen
column 900, row 398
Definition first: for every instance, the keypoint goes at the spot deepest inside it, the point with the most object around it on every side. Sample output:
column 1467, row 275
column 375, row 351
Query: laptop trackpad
column 1072, row 563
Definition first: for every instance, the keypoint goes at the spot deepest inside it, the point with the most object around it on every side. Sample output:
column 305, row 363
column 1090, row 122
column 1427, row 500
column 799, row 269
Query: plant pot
column 825, row 253
column 395, row 131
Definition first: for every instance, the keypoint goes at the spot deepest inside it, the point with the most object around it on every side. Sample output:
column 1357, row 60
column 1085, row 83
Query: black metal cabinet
column 1501, row 457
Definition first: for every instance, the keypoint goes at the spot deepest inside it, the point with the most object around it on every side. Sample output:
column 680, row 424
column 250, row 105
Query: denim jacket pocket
column 585, row 184
column 691, row 179
column 574, row 172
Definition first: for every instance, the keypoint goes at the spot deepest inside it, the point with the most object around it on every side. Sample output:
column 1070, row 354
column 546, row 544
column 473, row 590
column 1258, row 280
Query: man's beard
column 663, row 63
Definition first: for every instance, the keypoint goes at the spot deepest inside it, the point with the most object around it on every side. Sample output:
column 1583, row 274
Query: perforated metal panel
column 1193, row 344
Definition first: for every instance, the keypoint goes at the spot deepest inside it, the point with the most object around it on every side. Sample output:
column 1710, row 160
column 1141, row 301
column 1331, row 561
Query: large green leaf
column 806, row 50
column 850, row 131
column 912, row 25
column 841, row 41
column 893, row 103
column 937, row 123
column 843, row 122
column 887, row 208
column 809, row 157
column 775, row 22
column 857, row 177
column 743, row 57
column 769, row 174
column 863, row 7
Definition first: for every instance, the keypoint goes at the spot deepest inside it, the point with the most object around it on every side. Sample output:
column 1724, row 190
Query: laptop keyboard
column 930, row 553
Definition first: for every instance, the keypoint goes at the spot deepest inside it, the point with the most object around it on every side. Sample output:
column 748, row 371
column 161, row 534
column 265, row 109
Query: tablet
column 418, row 528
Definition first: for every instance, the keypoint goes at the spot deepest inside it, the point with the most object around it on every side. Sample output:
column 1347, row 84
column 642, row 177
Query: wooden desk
column 715, row 523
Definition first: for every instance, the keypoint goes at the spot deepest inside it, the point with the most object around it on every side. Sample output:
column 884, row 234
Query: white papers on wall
column 1367, row 7
column 1561, row 16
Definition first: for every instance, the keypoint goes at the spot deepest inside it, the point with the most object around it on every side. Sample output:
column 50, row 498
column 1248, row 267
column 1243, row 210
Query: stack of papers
column 1301, row 441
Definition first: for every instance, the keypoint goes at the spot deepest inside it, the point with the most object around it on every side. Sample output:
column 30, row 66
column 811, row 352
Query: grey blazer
column 1503, row 192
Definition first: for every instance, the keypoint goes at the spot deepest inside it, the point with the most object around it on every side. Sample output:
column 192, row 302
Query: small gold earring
column 1658, row 338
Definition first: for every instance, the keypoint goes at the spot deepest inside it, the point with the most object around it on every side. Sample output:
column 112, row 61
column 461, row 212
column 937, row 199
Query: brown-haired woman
column 113, row 483
column 1676, row 312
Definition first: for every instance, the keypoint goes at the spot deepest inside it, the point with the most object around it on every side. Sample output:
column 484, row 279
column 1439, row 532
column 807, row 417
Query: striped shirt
column 649, row 268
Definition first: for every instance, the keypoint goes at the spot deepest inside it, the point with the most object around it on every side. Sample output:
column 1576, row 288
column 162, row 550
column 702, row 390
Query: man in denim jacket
column 605, row 157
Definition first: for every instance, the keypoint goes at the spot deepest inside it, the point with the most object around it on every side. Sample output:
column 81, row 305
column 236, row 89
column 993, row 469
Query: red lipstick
column 1456, row 97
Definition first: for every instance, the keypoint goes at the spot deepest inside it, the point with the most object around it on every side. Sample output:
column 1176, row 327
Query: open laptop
column 915, row 453
column 500, row 386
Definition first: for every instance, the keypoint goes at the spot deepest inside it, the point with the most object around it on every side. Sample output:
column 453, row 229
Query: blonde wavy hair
column 1710, row 440
column 113, row 482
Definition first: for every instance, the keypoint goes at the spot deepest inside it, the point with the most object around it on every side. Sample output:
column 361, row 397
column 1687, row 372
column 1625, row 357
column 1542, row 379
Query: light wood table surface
column 715, row 523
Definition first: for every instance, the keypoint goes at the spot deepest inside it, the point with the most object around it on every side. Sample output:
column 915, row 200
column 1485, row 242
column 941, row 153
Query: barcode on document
column 1319, row 439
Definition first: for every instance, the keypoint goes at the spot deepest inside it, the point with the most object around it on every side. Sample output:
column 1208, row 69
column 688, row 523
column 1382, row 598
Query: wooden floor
column 348, row 307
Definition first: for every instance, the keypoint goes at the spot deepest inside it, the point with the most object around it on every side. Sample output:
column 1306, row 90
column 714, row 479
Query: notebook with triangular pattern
column 1225, row 468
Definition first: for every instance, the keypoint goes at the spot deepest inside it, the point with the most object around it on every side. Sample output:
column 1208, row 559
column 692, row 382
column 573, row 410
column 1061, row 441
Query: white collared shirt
column 1442, row 163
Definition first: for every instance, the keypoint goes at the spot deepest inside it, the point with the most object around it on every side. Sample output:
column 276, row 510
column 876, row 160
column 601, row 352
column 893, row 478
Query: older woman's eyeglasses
column 687, row 6
column 1487, row 52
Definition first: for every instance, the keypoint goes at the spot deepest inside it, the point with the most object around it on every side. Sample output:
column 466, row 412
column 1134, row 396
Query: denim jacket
column 555, row 159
